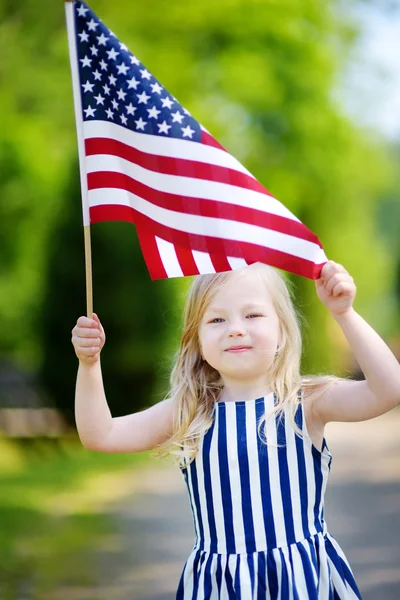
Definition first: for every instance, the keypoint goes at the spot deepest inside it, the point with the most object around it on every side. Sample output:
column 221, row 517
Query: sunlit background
column 306, row 94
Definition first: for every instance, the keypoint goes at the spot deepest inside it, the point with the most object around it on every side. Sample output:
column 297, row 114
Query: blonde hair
column 195, row 385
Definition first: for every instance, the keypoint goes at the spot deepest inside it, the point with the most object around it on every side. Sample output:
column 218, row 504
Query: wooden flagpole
column 73, row 55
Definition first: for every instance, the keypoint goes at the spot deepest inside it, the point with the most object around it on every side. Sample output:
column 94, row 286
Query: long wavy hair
column 195, row 386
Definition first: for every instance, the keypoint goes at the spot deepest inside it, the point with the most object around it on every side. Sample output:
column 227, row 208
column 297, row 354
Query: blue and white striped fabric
column 258, row 513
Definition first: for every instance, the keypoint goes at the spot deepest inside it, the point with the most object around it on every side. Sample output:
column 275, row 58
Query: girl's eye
column 220, row 319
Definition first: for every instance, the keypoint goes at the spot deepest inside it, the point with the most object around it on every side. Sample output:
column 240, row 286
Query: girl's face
column 240, row 314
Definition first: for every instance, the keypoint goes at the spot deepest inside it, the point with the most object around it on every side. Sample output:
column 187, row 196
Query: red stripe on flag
column 218, row 255
column 151, row 254
column 220, row 262
column 186, row 260
column 201, row 207
column 250, row 252
column 208, row 140
column 173, row 166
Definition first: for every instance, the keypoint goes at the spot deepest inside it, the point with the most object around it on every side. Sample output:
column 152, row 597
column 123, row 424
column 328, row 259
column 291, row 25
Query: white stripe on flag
column 169, row 258
column 189, row 186
column 211, row 226
column 203, row 262
column 236, row 263
column 173, row 147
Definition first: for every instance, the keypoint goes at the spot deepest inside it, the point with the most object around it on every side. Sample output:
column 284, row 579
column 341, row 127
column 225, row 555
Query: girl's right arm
column 97, row 429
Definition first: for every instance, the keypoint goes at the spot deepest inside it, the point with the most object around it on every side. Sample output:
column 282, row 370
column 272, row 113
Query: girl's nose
column 236, row 329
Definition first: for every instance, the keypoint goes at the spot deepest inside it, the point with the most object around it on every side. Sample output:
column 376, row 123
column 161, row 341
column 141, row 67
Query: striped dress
column 258, row 513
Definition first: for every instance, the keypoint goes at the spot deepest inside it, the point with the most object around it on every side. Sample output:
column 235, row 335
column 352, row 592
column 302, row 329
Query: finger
column 86, row 322
column 331, row 268
column 85, row 332
column 340, row 268
column 335, row 279
column 332, row 281
column 99, row 325
column 326, row 270
column 342, row 287
column 86, row 342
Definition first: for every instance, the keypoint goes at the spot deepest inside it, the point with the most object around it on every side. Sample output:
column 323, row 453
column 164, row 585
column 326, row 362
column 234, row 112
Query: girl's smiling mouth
column 238, row 349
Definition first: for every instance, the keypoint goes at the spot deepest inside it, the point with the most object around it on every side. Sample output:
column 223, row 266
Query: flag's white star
column 121, row 95
column 112, row 34
column 133, row 83
column 157, row 89
column 88, row 87
column 153, row 112
column 145, row 74
column 82, row 11
column 112, row 80
column 122, row 69
column 89, row 111
column 177, row 117
column 103, row 65
column 140, row 124
column 166, row 102
column 94, row 50
column 115, row 104
column 130, row 109
column 124, row 120
column 110, row 113
column 86, row 62
column 143, row 97
column 84, row 36
column 97, row 75
column 99, row 99
column 92, row 25
column 106, row 90
column 112, row 55
column 187, row 131
column 135, row 61
column 186, row 111
column 102, row 39
column 163, row 127
column 123, row 47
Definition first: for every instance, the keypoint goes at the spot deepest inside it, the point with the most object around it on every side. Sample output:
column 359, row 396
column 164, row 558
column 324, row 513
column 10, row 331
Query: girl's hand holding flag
column 88, row 339
column 336, row 288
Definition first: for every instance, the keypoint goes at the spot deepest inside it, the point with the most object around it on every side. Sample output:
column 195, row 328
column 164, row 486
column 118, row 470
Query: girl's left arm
column 380, row 392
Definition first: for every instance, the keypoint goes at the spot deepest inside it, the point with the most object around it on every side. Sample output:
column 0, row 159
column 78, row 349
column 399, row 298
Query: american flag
column 148, row 161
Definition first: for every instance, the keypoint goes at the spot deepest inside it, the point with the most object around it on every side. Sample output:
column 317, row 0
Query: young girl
column 248, row 432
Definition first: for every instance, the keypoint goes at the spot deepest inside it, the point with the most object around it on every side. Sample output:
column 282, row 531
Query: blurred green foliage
column 260, row 76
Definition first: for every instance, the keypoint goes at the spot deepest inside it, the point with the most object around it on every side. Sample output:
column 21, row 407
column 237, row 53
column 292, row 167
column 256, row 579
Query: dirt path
column 153, row 536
